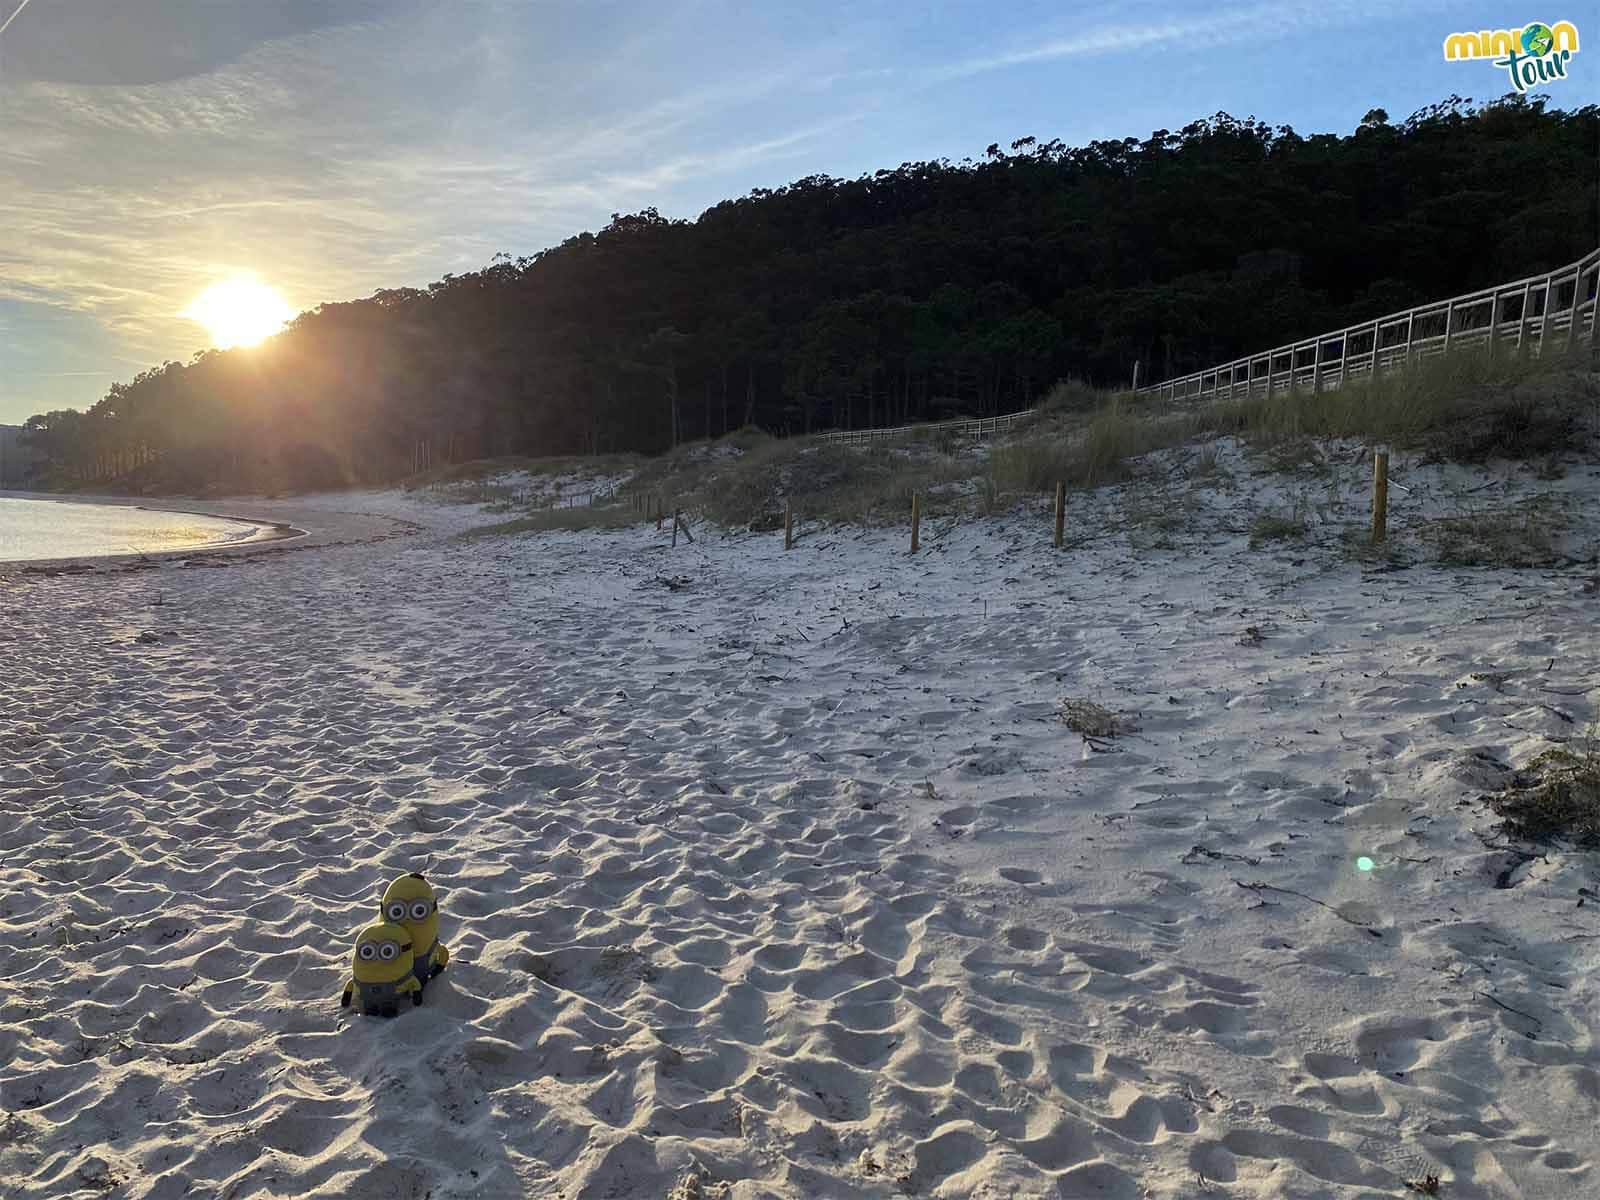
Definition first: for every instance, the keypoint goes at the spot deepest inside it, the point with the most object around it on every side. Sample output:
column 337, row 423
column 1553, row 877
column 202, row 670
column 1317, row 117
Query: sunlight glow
column 239, row 311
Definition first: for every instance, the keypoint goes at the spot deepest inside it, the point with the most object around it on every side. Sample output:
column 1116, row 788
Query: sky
column 150, row 148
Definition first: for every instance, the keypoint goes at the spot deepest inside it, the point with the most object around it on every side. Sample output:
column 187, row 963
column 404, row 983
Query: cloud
column 131, row 44
column 1215, row 29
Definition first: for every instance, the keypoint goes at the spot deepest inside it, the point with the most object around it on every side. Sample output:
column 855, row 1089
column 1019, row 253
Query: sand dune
column 786, row 880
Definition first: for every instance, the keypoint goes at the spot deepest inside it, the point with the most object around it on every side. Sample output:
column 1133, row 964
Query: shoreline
column 265, row 532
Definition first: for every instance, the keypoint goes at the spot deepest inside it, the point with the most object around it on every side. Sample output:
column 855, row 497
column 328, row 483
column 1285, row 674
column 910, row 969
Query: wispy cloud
column 1215, row 29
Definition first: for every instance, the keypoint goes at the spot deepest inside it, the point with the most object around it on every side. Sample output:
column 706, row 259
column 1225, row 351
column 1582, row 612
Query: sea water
column 51, row 529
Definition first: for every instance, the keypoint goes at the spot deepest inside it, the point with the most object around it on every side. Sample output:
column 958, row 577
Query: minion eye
column 397, row 911
column 366, row 951
column 389, row 951
column 419, row 911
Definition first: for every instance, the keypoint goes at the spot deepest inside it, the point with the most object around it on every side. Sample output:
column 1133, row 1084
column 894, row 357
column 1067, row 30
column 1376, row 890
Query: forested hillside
column 910, row 293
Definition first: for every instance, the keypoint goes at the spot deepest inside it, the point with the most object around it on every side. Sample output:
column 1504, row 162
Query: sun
column 239, row 311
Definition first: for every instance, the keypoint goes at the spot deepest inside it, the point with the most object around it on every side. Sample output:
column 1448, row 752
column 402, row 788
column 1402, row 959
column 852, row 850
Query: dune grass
column 582, row 516
column 1088, row 452
column 1462, row 408
column 460, row 477
column 745, row 483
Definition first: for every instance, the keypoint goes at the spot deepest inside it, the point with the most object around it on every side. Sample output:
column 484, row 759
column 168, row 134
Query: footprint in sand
column 1020, row 875
column 1019, row 937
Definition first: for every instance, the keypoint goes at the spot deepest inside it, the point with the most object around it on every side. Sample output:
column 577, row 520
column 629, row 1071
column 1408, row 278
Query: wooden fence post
column 916, row 521
column 788, row 525
column 658, row 512
column 1522, row 321
column 1380, row 496
column 674, row 527
column 1572, row 321
column 1061, row 511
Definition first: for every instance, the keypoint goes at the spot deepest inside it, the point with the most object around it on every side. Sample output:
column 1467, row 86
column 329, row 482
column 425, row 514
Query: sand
column 774, row 875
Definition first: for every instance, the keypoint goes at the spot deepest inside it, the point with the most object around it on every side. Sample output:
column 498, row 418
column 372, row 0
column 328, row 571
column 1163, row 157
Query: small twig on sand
column 1189, row 859
column 1509, row 1009
column 1267, row 887
column 1556, row 711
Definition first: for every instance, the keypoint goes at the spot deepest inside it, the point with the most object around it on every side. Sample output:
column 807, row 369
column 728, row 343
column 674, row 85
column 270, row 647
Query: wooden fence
column 1556, row 309
column 980, row 427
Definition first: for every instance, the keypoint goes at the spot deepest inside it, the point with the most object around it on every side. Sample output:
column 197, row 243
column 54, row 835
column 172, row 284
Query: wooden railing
column 1555, row 310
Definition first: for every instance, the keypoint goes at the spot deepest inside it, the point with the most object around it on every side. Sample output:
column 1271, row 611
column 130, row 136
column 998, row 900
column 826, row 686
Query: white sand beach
column 779, row 875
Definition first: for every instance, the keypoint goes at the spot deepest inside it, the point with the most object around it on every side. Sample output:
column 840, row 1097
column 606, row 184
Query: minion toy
column 381, row 972
column 409, row 901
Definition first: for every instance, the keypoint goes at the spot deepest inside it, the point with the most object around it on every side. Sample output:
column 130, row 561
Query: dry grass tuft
column 1522, row 536
column 1205, row 464
column 1072, row 396
column 1095, row 721
column 1277, row 527
column 1560, row 801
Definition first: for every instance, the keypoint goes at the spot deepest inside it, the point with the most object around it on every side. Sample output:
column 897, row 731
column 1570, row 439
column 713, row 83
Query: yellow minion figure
column 381, row 971
column 410, row 901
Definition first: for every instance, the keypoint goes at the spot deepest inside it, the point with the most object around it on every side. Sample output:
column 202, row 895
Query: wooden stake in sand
column 916, row 522
column 1061, row 512
column 679, row 523
column 1380, row 495
column 788, row 525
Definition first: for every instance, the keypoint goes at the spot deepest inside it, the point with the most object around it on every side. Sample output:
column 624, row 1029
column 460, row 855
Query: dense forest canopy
column 938, row 287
